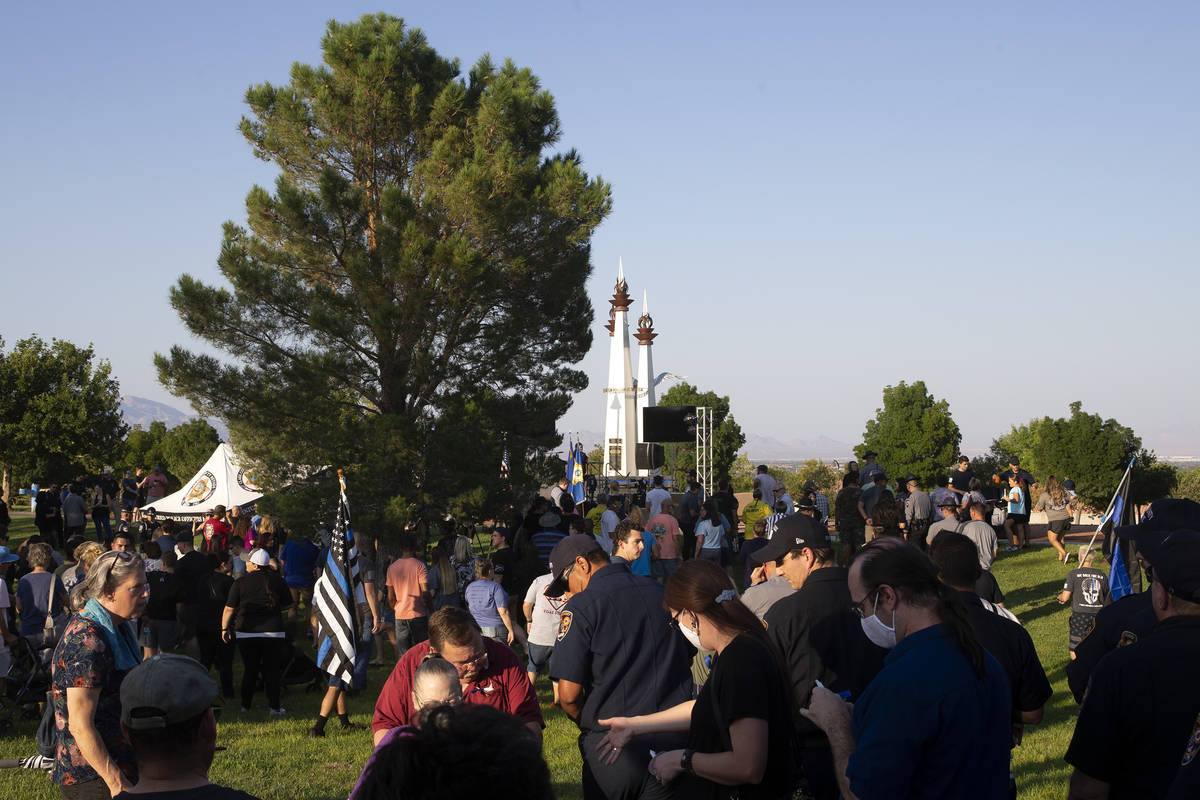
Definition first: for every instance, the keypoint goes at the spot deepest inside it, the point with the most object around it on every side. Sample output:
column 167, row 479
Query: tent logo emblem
column 201, row 489
column 246, row 480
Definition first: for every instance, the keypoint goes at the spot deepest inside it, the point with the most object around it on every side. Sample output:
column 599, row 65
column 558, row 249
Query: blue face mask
column 880, row 634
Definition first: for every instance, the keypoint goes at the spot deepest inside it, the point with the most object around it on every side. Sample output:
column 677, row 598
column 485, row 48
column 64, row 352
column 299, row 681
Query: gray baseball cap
column 164, row 690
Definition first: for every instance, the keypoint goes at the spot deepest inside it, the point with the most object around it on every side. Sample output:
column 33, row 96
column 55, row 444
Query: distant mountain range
column 758, row 448
column 141, row 412
column 766, row 448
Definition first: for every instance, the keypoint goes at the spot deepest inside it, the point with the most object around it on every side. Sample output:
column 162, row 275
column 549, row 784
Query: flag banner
column 334, row 597
column 1119, row 513
column 575, row 472
column 505, row 467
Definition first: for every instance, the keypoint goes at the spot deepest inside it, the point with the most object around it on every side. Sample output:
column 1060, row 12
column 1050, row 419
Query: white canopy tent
column 220, row 482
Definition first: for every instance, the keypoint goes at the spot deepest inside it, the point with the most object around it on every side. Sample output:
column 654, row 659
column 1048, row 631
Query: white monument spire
column 645, row 393
column 620, row 396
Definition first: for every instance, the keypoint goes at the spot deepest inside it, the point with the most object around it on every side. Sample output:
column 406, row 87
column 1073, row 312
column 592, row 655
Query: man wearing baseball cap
column 819, row 636
column 167, row 713
column 949, row 521
column 615, row 656
column 1132, row 617
column 1142, row 699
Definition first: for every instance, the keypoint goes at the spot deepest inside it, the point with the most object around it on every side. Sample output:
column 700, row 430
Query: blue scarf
column 122, row 641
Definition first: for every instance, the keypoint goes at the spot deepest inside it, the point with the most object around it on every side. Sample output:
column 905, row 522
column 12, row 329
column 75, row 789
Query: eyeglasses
column 480, row 661
column 858, row 609
column 674, row 623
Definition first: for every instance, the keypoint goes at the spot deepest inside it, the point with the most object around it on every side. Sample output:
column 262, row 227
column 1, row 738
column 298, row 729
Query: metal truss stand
column 704, row 455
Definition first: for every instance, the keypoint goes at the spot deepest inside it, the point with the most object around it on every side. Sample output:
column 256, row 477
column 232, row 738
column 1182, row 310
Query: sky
column 819, row 199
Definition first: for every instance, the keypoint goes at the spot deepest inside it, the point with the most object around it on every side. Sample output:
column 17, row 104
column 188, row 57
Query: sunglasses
column 124, row 556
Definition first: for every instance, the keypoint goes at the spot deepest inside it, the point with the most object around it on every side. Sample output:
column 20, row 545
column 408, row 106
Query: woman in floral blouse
column 96, row 651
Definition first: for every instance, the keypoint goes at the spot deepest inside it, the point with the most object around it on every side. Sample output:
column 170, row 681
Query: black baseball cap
column 792, row 533
column 563, row 556
column 1175, row 557
column 870, row 454
column 1161, row 517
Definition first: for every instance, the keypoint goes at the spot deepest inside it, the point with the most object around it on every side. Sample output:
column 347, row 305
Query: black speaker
column 669, row 424
column 650, row 455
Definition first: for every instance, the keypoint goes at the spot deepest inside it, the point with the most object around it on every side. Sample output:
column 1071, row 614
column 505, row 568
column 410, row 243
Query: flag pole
column 1111, row 505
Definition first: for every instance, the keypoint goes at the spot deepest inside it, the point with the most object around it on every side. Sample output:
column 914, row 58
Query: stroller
column 27, row 684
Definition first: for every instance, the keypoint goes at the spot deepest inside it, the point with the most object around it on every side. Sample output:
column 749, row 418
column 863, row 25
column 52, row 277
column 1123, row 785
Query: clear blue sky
column 820, row 199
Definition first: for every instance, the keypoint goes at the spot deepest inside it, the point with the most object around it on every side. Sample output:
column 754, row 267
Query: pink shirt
column 405, row 577
column 667, row 542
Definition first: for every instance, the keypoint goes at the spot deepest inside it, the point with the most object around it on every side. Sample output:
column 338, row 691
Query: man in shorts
column 544, row 614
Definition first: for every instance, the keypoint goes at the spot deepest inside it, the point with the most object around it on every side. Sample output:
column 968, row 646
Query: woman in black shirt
column 740, row 728
column 255, row 609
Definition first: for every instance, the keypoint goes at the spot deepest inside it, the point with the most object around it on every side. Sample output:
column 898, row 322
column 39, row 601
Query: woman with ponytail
column 740, row 728
column 935, row 721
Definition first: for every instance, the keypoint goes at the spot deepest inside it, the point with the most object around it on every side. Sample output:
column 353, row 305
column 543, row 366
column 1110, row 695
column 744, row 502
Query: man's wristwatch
column 685, row 762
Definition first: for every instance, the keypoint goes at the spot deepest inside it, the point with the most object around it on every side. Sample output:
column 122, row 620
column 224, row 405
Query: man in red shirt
column 216, row 532
column 489, row 672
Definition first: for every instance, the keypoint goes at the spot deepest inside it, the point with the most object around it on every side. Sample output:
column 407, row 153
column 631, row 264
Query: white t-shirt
column 654, row 499
column 543, row 622
column 608, row 523
column 766, row 484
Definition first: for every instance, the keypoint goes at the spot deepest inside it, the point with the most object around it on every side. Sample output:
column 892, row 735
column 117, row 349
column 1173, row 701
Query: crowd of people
column 858, row 648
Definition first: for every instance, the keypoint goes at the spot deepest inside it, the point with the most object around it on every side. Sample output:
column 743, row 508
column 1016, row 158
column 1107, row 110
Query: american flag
column 334, row 597
column 504, row 465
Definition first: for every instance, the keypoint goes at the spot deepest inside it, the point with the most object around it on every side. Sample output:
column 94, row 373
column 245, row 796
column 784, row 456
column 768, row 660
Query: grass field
column 275, row 760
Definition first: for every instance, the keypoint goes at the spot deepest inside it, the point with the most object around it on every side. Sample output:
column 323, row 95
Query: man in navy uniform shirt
column 1142, row 699
column 616, row 656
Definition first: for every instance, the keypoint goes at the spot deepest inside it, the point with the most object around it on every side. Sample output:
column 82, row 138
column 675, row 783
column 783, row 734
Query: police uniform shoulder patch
column 1127, row 638
column 1193, row 745
column 564, row 625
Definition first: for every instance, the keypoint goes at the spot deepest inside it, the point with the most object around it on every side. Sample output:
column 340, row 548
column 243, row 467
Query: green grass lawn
column 274, row 759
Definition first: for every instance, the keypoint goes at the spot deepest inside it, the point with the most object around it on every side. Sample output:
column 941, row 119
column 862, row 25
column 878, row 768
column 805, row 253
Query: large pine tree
column 413, row 290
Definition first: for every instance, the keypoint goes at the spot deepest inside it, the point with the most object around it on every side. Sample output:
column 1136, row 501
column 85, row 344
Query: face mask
column 880, row 635
column 692, row 636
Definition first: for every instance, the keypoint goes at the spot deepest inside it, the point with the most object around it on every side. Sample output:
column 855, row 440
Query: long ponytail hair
column 910, row 572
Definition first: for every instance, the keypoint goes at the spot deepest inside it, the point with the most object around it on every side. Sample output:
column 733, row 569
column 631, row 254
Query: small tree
column 1188, row 484
column 59, row 411
column 1088, row 449
column 727, row 434
column 827, row 479
column 186, row 447
column 912, row 432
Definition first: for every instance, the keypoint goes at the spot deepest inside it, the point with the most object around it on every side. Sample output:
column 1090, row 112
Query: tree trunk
column 6, row 487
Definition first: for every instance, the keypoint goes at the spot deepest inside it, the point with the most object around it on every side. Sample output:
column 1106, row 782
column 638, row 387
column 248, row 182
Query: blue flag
column 575, row 472
column 1117, row 514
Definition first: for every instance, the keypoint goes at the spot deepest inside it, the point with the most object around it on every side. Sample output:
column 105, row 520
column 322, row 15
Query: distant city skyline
column 818, row 201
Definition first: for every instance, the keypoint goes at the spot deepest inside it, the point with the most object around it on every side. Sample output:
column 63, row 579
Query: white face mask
column 692, row 636
column 880, row 634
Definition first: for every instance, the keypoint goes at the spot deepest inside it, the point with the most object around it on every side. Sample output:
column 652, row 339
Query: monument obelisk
column 620, row 396
column 645, row 383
